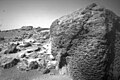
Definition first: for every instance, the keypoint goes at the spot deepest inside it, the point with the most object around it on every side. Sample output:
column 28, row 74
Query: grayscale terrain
column 83, row 45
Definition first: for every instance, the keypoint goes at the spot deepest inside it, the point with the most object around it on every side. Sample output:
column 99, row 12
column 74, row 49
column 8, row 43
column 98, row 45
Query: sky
column 41, row 13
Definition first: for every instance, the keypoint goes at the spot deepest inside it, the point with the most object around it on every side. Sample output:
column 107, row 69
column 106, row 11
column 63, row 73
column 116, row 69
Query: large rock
column 7, row 63
column 87, row 41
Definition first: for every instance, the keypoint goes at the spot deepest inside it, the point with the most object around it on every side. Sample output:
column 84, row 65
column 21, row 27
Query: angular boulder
column 88, row 42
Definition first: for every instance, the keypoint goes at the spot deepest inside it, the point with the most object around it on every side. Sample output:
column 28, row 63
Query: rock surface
column 88, row 42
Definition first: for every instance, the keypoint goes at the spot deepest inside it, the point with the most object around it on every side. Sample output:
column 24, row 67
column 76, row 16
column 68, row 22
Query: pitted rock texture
column 88, row 42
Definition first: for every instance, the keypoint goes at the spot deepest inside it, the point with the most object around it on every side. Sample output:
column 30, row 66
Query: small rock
column 46, row 71
column 0, row 49
column 33, row 65
column 23, row 66
column 11, row 49
column 27, row 28
column 25, row 45
column 29, row 40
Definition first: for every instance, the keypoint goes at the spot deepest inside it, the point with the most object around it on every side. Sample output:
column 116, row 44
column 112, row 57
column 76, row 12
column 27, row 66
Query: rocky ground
column 32, row 52
column 26, row 52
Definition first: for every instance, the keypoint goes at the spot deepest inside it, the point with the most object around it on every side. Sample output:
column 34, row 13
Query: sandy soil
column 14, row 74
column 53, row 77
